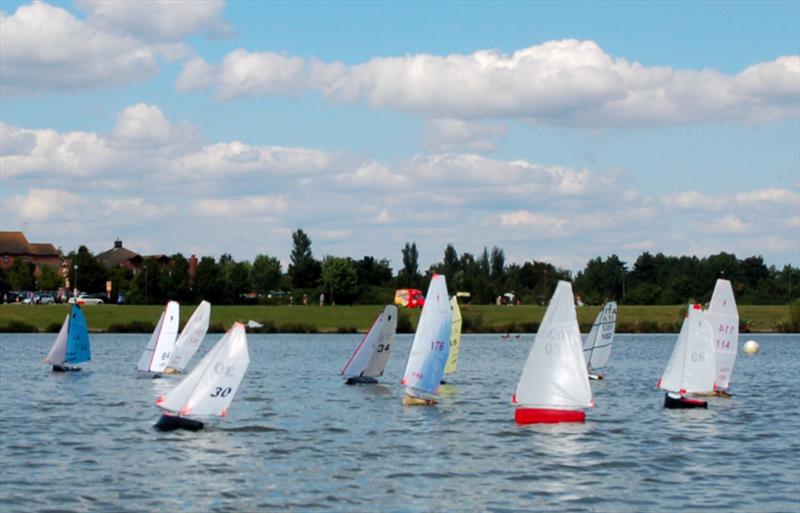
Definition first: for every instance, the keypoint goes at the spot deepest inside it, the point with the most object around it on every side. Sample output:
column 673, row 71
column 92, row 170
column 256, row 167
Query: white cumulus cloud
column 566, row 82
column 158, row 20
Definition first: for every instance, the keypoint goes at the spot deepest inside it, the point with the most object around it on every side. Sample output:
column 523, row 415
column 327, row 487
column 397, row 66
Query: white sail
column 59, row 349
column 431, row 344
column 691, row 366
column 191, row 337
column 723, row 316
column 162, row 341
column 555, row 373
column 211, row 386
column 370, row 357
column 455, row 337
column 597, row 346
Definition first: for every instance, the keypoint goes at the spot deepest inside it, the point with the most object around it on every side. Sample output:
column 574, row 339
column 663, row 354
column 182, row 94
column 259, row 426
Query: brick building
column 14, row 245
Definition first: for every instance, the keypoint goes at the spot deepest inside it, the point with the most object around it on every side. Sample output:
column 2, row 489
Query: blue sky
column 557, row 131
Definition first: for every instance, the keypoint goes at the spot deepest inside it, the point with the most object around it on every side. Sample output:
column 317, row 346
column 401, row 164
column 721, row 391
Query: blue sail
column 78, row 338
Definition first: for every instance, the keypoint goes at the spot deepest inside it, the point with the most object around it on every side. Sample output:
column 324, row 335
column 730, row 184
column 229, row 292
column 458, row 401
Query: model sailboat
column 369, row 359
column 72, row 343
column 159, row 348
column 723, row 316
column 455, row 338
column 430, row 348
column 190, row 339
column 597, row 346
column 209, row 389
column 554, row 385
column 691, row 368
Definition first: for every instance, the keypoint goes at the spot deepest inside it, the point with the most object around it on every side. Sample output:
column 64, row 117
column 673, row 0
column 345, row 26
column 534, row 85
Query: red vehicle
column 409, row 298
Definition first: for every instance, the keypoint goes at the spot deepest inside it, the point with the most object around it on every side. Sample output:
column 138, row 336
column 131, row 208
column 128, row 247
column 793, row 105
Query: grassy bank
column 313, row 319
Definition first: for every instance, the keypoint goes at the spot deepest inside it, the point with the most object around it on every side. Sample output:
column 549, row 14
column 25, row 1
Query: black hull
column 683, row 402
column 172, row 422
column 65, row 368
column 361, row 380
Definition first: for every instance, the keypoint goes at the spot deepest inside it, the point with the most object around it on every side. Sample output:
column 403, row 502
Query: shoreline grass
column 18, row 318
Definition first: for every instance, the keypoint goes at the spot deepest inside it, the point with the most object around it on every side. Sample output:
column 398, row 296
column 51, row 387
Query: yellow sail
column 455, row 337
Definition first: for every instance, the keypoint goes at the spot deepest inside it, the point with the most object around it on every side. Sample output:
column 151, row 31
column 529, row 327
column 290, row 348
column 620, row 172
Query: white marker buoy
column 750, row 347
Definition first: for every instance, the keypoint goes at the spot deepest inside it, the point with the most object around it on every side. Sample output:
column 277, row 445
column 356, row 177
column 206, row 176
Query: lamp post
column 75, row 275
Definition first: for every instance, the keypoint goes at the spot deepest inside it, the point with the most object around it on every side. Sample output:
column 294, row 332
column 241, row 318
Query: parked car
column 44, row 298
column 86, row 299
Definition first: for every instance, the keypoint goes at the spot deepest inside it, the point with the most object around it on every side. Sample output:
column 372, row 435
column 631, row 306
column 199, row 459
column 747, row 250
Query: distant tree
column 176, row 282
column 601, row 280
column 339, row 279
column 373, row 272
column 208, row 281
column 304, row 270
column 91, row 274
column 5, row 283
column 498, row 266
column 723, row 265
column 236, row 281
column 147, row 286
column 483, row 264
column 265, row 274
column 225, row 260
column 409, row 275
column 21, row 275
column 121, row 279
column 49, row 278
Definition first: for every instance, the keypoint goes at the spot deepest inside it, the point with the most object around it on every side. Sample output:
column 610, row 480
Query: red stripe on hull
column 547, row 416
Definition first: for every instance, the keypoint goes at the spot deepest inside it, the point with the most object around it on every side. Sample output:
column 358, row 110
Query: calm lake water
column 297, row 439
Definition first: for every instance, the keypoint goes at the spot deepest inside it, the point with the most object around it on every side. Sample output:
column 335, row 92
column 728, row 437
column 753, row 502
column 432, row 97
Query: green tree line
column 650, row 280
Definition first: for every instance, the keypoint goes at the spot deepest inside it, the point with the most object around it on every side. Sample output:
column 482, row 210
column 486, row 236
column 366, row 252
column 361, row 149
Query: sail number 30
column 221, row 392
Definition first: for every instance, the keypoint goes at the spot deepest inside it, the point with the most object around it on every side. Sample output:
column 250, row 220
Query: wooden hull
column 409, row 400
column 547, row 416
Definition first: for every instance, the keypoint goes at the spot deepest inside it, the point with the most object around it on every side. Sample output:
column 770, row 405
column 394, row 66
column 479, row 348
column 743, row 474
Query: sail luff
column 149, row 350
column 176, row 399
column 191, row 337
column 429, row 350
column 358, row 360
column 382, row 343
column 554, row 375
column 597, row 346
column 723, row 316
column 455, row 337
column 208, row 391
column 59, row 348
column 78, row 348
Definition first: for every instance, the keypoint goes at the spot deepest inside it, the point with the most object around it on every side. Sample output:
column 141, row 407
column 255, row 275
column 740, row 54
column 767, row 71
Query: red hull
column 547, row 416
